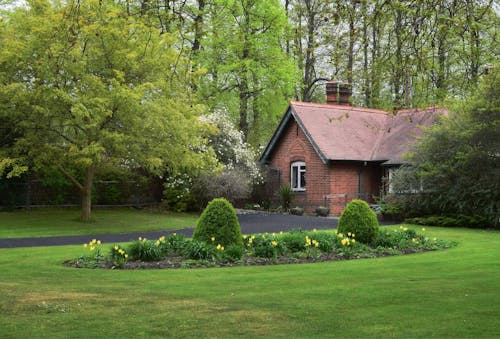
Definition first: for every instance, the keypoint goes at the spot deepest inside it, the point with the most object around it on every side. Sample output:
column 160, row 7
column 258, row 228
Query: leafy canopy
column 457, row 162
column 83, row 84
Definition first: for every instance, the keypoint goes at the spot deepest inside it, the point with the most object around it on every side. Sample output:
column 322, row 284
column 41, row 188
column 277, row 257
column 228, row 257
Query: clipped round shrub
column 218, row 224
column 358, row 218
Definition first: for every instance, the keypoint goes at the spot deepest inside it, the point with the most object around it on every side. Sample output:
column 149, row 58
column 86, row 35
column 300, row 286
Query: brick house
column 332, row 153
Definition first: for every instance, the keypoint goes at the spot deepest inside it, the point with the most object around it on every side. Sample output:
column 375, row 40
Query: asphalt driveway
column 250, row 223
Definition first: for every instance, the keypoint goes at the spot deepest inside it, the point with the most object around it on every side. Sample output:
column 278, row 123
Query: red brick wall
column 294, row 146
column 344, row 179
column 321, row 179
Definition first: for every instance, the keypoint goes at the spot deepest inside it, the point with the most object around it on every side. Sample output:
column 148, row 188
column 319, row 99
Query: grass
column 55, row 222
column 452, row 293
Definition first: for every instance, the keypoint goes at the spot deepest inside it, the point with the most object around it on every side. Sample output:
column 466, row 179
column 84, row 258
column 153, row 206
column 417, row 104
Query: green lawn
column 53, row 222
column 452, row 293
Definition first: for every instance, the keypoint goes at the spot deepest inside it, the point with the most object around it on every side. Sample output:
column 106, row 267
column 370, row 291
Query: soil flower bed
column 293, row 247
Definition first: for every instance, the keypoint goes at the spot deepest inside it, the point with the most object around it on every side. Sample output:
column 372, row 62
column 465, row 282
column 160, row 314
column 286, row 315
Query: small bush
column 286, row 196
column 174, row 244
column 474, row 221
column 294, row 240
column 297, row 211
column 358, row 218
column 233, row 253
column 267, row 248
column 118, row 256
column 326, row 240
column 199, row 250
column 145, row 250
column 219, row 223
column 322, row 211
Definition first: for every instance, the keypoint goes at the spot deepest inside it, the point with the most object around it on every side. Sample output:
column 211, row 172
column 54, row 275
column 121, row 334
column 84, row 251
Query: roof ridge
column 340, row 107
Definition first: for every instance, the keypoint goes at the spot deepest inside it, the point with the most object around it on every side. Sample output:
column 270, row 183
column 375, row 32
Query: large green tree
column 248, row 72
column 457, row 162
column 83, row 84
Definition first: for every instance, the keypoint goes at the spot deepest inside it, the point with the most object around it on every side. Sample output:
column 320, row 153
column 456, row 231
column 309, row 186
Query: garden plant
column 175, row 251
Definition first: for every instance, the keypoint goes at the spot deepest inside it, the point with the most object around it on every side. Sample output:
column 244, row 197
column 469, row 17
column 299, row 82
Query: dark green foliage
column 199, row 250
column 456, row 161
column 118, row 256
column 358, row 218
column 327, row 240
column 294, row 240
column 145, row 250
column 397, row 239
column 219, row 221
column 233, row 253
column 286, row 196
column 475, row 221
column 174, row 244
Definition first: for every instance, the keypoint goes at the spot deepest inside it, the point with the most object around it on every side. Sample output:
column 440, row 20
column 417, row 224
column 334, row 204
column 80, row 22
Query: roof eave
column 279, row 131
column 320, row 154
column 276, row 136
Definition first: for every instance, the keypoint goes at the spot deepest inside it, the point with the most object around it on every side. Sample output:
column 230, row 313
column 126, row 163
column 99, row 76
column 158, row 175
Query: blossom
column 345, row 242
column 85, row 245
column 212, row 238
column 220, row 247
column 308, row 241
column 274, row 243
column 423, row 229
column 98, row 242
column 116, row 248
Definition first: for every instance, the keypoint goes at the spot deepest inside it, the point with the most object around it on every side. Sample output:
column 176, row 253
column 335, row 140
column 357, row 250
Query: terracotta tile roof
column 339, row 132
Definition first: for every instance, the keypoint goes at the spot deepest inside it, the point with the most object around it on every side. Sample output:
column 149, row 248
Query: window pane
column 303, row 179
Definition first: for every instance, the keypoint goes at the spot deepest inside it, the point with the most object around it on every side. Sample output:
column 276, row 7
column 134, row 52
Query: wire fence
column 36, row 193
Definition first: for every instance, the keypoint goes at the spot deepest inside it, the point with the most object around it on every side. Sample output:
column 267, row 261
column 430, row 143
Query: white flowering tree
column 232, row 152
column 233, row 176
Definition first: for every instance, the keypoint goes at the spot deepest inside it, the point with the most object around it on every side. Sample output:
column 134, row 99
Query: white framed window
column 298, row 176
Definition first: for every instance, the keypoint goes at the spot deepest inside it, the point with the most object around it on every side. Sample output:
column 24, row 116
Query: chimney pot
column 338, row 93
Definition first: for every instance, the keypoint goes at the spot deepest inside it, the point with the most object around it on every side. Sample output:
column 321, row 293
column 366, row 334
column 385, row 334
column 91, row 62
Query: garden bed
column 295, row 247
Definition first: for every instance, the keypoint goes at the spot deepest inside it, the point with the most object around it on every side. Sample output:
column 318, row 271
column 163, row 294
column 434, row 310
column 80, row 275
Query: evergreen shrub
column 218, row 224
column 358, row 218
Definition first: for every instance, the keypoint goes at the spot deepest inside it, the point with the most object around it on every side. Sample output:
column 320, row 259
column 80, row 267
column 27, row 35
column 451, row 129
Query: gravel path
column 259, row 222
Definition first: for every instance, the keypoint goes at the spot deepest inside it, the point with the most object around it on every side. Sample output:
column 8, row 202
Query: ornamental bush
column 218, row 224
column 359, row 219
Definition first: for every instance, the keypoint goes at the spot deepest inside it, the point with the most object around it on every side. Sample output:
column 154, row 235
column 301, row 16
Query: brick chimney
column 338, row 93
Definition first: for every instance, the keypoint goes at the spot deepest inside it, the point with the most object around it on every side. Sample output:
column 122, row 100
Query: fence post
column 137, row 194
column 28, row 192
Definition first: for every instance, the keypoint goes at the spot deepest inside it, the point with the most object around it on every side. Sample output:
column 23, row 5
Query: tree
column 457, row 163
column 248, row 73
column 87, row 85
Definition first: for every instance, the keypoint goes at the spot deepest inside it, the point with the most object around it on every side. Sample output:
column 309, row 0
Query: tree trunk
column 198, row 26
column 87, row 193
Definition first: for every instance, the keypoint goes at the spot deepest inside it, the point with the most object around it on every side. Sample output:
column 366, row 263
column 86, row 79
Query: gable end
column 290, row 113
